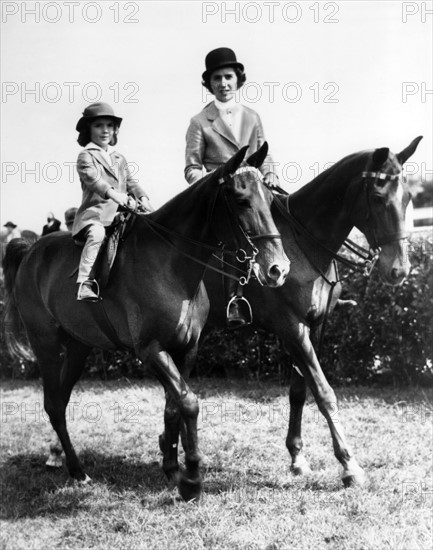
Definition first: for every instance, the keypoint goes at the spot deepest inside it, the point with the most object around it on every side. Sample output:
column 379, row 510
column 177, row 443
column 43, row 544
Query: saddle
column 114, row 234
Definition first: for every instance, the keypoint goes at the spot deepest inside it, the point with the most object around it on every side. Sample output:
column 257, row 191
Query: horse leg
column 168, row 441
column 173, row 423
column 47, row 350
column 189, row 483
column 326, row 400
column 294, row 444
column 73, row 365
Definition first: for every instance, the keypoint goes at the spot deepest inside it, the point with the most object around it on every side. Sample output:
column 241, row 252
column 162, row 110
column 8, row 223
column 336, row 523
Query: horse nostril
column 275, row 272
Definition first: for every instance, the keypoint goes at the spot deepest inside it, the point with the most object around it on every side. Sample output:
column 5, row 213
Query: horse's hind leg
column 298, row 391
column 73, row 364
column 56, row 395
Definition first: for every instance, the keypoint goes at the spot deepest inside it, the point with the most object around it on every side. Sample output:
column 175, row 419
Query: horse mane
column 185, row 197
column 332, row 175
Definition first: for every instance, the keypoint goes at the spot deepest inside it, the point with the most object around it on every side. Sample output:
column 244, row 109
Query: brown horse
column 365, row 190
column 154, row 302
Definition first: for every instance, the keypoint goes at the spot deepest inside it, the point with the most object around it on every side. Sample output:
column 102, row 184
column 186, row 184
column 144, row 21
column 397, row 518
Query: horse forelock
column 258, row 176
column 252, row 169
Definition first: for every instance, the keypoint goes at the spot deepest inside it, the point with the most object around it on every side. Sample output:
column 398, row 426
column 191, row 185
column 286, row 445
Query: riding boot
column 88, row 290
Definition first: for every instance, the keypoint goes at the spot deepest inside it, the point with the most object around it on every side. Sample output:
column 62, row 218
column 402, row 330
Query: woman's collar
column 223, row 106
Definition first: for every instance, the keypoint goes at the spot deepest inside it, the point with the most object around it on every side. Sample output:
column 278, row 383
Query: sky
column 327, row 79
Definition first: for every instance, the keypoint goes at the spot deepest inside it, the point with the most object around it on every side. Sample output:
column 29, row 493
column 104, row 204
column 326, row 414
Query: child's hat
column 96, row 110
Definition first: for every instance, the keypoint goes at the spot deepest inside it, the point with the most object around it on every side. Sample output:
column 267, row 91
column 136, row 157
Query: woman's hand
column 118, row 197
column 271, row 180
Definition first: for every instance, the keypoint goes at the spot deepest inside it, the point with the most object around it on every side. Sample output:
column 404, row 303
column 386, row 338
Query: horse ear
column 233, row 164
column 257, row 158
column 409, row 151
column 380, row 156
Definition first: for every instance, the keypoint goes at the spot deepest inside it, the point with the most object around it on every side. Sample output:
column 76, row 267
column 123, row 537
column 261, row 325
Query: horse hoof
column 172, row 476
column 189, row 489
column 354, row 480
column 54, row 463
column 84, row 482
column 300, row 468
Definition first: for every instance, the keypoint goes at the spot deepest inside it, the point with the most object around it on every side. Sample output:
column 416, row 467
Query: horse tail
column 13, row 327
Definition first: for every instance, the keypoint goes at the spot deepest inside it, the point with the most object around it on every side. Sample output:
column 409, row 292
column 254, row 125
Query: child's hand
column 117, row 197
column 145, row 204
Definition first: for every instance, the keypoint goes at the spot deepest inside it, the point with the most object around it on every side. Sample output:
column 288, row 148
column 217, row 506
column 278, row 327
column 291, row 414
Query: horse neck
column 188, row 216
column 324, row 206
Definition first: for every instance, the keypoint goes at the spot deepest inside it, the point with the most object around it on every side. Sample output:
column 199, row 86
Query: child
column 105, row 180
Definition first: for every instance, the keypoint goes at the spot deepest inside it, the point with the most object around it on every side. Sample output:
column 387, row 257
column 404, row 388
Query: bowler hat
column 10, row 224
column 219, row 58
column 96, row 110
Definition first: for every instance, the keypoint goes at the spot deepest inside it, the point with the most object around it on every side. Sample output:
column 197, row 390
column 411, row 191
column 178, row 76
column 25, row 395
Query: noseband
column 238, row 231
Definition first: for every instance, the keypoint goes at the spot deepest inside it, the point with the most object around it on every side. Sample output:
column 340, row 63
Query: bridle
column 389, row 238
column 241, row 254
column 368, row 256
column 245, row 251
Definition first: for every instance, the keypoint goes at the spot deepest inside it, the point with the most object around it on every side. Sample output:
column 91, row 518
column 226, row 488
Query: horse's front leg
column 326, row 400
column 294, row 444
column 190, row 482
column 169, row 440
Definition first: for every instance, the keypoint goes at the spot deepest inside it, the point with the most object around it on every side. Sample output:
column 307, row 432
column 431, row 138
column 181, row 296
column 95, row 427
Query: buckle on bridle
column 370, row 263
column 380, row 176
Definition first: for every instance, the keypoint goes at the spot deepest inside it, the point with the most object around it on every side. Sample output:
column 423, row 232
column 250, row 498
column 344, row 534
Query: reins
column 240, row 254
column 369, row 256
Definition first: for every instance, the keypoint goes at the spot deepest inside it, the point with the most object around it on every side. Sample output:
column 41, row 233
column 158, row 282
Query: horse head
column 382, row 218
column 247, row 200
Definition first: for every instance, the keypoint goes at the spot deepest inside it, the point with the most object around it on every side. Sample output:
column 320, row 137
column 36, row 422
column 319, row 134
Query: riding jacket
column 210, row 142
column 99, row 172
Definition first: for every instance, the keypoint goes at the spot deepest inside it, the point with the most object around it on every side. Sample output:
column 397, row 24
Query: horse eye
column 243, row 202
column 377, row 199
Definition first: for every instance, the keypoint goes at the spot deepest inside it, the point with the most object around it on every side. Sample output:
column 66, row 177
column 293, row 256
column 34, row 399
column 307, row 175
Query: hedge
column 386, row 338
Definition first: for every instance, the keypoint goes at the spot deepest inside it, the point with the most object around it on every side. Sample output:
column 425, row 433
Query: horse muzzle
column 275, row 276
column 393, row 271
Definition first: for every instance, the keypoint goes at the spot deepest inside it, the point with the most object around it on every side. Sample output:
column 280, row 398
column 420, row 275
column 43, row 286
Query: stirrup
column 238, row 313
column 91, row 285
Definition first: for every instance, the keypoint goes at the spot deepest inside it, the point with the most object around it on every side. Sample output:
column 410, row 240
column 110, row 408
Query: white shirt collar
column 92, row 145
column 230, row 104
column 104, row 153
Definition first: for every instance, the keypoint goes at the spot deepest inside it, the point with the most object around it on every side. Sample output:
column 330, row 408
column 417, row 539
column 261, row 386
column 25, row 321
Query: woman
column 215, row 134
column 224, row 126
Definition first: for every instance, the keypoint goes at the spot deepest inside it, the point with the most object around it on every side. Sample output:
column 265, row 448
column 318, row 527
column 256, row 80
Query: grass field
column 250, row 500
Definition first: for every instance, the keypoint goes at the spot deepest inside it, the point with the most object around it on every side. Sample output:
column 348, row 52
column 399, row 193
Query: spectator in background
column 52, row 225
column 70, row 217
column 8, row 232
column 11, row 232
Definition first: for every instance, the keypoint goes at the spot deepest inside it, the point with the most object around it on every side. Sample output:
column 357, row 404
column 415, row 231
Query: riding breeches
column 95, row 234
